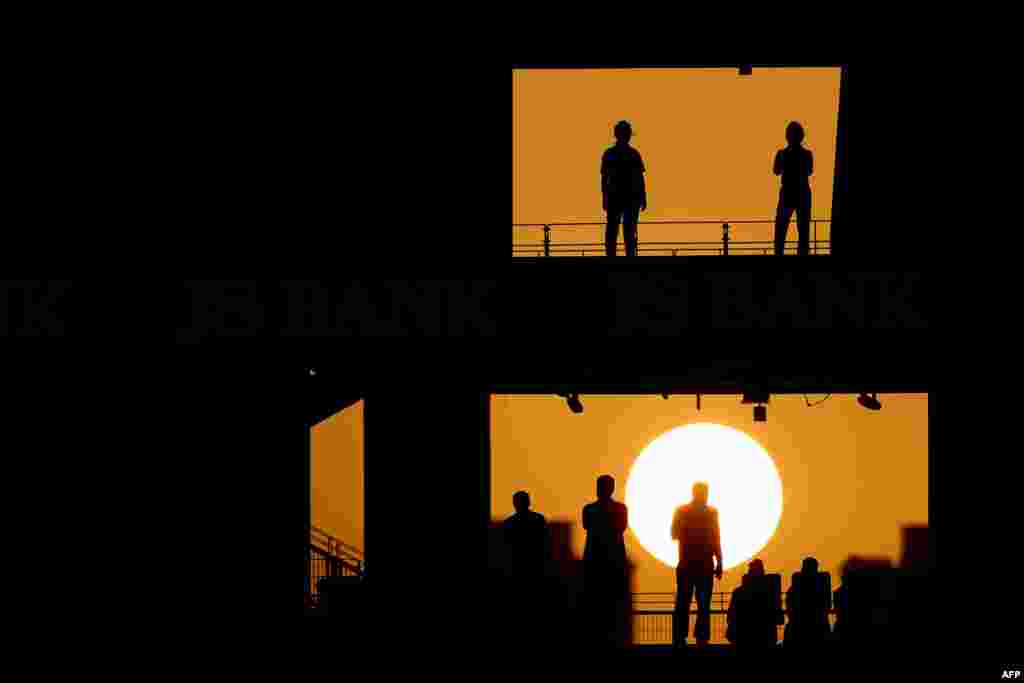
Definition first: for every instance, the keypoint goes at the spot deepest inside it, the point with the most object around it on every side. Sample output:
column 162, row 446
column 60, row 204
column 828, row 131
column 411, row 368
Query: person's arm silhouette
column 810, row 163
column 777, row 169
column 643, row 184
column 604, row 181
column 716, row 536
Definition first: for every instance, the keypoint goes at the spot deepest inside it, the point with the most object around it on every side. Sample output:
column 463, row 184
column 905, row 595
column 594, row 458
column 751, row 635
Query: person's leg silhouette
column 681, row 614
column 803, row 225
column 782, row 217
column 630, row 217
column 702, row 629
column 611, row 233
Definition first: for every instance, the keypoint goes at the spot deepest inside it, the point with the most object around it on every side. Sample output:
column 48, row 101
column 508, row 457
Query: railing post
column 547, row 240
column 725, row 239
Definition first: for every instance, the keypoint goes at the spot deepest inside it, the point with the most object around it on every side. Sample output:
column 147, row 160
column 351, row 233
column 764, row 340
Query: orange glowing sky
column 850, row 477
column 707, row 136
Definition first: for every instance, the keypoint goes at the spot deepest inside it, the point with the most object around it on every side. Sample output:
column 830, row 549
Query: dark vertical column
column 298, row 426
column 307, row 480
column 933, row 445
column 842, row 244
column 427, row 503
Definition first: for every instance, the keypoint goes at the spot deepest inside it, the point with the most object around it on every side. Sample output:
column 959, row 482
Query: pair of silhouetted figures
column 606, row 591
column 755, row 609
column 624, row 190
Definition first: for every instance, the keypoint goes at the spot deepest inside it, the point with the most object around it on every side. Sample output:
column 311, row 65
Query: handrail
column 332, row 559
column 725, row 246
column 334, row 546
column 744, row 221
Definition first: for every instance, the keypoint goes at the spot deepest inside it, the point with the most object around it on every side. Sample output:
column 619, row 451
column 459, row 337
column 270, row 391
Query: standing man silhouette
column 795, row 164
column 527, row 550
column 623, row 191
column 695, row 526
column 604, row 561
column 526, row 539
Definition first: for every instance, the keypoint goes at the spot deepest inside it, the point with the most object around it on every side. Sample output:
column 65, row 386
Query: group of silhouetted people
column 624, row 190
column 755, row 609
column 606, row 591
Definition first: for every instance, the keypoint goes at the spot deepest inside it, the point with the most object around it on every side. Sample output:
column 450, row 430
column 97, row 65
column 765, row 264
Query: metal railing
column 320, row 565
column 544, row 244
column 327, row 556
column 653, row 615
column 335, row 547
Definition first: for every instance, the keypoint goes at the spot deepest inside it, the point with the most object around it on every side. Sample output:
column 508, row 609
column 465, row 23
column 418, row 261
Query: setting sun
column 744, row 486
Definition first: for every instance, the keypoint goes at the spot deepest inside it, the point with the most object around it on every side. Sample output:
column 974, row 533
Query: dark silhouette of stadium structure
column 432, row 562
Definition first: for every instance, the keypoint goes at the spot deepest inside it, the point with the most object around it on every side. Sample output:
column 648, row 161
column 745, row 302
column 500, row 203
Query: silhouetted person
column 526, row 538
column 734, row 600
column 754, row 609
column 807, row 604
column 527, row 550
column 604, row 561
column 795, row 164
column 623, row 191
column 862, row 601
column 695, row 526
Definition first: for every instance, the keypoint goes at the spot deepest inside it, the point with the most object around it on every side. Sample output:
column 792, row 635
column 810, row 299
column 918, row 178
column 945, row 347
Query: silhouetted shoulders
column 588, row 511
column 637, row 159
column 606, row 158
column 619, row 157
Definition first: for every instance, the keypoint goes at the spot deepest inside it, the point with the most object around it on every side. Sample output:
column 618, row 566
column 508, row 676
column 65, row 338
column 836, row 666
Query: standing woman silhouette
column 795, row 164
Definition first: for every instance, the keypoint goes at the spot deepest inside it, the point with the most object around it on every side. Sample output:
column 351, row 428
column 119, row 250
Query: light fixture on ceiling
column 574, row 403
column 870, row 402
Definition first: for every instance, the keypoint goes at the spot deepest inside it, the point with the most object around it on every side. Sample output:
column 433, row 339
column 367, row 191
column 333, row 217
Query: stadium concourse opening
column 701, row 138
column 840, row 483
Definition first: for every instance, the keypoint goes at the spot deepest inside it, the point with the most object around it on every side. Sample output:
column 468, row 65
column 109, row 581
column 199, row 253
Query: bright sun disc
column 744, row 486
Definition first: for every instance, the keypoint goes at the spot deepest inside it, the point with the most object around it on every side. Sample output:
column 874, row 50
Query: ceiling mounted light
column 574, row 403
column 870, row 402
column 756, row 396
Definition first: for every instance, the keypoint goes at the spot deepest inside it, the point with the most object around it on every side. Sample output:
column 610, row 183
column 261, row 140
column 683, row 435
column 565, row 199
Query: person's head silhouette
column 794, row 134
column 521, row 501
column 756, row 567
column 623, row 132
column 809, row 566
column 700, row 493
column 605, row 487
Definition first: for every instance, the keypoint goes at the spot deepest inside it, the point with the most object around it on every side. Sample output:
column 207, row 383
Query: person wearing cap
column 623, row 190
column 695, row 527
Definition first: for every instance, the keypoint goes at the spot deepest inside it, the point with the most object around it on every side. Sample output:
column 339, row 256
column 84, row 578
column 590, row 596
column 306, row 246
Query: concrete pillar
column 842, row 243
column 427, row 502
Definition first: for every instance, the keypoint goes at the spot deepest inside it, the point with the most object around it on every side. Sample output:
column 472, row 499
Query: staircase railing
column 327, row 556
column 335, row 547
